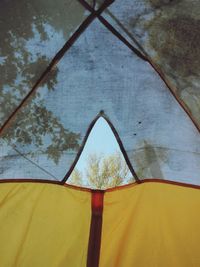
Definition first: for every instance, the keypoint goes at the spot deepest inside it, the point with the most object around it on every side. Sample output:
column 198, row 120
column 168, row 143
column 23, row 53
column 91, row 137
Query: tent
column 65, row 65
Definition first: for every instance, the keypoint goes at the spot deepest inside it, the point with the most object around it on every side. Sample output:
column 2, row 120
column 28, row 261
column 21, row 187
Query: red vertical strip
column 94, row 244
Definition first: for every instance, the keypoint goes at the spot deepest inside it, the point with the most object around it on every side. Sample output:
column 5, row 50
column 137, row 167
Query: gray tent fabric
column 32, row 32
column 168, row 33
column 99, row 72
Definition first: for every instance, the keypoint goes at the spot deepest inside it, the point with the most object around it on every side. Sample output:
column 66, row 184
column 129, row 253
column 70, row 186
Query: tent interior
column 66, row 66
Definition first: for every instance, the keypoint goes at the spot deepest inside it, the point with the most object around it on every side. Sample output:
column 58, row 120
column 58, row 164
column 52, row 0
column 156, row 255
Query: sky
column 100, row 141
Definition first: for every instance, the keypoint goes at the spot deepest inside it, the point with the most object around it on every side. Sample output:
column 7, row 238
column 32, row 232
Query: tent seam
column 57, row 58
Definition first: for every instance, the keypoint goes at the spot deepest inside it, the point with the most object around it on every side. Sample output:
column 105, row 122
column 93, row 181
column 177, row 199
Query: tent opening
column 101, row 164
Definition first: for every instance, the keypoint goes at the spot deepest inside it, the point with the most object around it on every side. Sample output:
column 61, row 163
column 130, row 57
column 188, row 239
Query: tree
column 103, row 172
column 24, row 28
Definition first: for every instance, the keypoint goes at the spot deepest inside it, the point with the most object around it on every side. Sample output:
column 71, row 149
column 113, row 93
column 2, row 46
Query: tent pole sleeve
column 56, row 59
column 94, row 244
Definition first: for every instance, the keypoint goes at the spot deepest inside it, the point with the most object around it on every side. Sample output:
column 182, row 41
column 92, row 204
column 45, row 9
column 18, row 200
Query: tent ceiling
column 99, row 72
column 31, row 33
column 168, row 31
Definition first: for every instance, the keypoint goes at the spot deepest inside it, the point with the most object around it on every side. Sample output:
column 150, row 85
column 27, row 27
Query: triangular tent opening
column 101, row 164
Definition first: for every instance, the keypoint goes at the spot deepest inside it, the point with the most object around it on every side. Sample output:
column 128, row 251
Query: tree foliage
column 27, row 29
column 103, row 172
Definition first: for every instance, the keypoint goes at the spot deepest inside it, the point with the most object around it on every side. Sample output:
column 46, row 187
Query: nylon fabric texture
column 152, row 224
column 149, row 224
column 43, row 225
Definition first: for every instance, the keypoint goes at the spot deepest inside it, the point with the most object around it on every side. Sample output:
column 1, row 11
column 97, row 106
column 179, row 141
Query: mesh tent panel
column 100, row 73
column 32, row 32
column 168, row 32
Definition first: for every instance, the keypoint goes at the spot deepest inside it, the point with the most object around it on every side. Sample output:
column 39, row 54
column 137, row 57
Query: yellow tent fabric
column 152, row 224
column 148, row 224
column 43, row 225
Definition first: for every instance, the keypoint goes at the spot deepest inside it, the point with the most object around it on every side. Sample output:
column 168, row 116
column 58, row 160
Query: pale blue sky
column 100, row 141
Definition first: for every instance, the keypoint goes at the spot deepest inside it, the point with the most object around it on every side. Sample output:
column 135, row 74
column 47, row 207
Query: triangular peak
column 101, row 164
column 95, row 4
column 100, row 72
